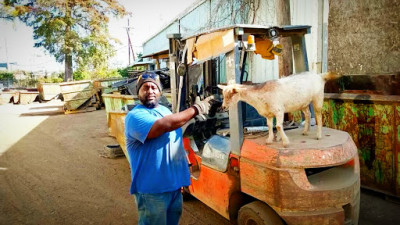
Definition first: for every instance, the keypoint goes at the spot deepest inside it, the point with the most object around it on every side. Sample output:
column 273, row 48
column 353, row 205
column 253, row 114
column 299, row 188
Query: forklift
column 233, row 170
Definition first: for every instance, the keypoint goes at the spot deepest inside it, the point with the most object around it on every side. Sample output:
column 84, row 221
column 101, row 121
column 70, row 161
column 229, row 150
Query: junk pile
column 128, row 86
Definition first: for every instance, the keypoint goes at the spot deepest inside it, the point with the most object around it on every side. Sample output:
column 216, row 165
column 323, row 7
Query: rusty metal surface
column 373, row 123
column 335, row 148
column 297, row 197
column 383, row 84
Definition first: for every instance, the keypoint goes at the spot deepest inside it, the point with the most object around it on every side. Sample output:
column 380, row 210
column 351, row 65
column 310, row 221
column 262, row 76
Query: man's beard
column 149, row 103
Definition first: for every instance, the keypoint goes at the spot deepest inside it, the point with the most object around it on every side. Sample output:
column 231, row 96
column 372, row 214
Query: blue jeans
column 159, row 209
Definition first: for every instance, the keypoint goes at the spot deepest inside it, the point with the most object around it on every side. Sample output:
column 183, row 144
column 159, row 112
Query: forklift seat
column 216, row 153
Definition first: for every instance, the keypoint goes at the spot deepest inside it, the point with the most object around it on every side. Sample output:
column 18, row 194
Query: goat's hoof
column 269, row 141
column 319, row 138
column 286, row 145
column 304, row 134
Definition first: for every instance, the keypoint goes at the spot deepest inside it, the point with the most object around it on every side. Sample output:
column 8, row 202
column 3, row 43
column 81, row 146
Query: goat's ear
column 220, row 86
column 234, row 90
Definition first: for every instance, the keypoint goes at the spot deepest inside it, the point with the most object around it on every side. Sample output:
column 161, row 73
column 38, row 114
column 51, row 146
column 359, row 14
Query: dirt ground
column 51, row 172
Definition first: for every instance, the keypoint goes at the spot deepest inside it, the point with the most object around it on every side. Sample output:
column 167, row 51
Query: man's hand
column 174, row 121
column 203, row 106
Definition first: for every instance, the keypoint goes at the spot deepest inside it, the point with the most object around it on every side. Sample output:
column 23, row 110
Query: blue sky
column 148, row 17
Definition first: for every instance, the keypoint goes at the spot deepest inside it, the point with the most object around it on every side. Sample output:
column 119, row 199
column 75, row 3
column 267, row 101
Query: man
column 158, row 162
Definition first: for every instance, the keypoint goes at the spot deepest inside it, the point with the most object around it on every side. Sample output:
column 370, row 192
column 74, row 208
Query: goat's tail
column 331, row 76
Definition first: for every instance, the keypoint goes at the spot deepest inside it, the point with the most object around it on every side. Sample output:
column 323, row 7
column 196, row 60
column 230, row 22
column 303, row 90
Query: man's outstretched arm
column 176, row 120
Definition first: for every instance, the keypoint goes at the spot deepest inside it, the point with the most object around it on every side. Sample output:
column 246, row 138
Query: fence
column 6, row 83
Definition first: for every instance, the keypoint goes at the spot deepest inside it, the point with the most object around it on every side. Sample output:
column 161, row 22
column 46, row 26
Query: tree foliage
column 233, row 12
column 6, row 75
column 76, row 29
column 124, row 71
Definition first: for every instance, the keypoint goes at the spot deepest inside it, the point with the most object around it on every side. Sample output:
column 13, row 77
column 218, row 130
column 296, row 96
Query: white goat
column 274, row 98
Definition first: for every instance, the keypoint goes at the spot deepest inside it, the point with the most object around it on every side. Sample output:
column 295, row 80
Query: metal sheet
column 307, row 12
column 212, row 45
column 5, row 97
column 216, row 192
column 235, row 111
column 116, row 126
column 76, row 93
column 115, row 102
column 48, row 91
column 105, row 85
column 28, row 97
column 75, row 86
column 373, row 123
column 196, row 20
column 84, row 94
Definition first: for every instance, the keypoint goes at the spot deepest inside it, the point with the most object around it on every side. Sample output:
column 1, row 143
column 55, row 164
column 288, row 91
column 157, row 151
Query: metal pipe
column 255, row 129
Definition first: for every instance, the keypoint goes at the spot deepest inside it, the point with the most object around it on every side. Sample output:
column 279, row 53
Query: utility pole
column 5, row 45
column 285, row 61
column 130, row 47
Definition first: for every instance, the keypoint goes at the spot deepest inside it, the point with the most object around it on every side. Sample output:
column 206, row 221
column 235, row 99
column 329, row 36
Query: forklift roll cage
column 240, row 31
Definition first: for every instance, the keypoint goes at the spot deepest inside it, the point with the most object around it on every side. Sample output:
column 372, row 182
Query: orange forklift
column 233, row 170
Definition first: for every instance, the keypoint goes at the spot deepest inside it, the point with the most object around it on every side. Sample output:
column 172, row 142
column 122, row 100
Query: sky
column 148, row 17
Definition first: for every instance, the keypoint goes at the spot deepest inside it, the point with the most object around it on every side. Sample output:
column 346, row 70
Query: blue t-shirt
column 157, row 165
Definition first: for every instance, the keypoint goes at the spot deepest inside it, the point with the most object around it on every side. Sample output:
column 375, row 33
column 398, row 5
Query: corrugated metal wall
column 261, row 70
column 211, row 14
column 220, row 16
column 197, row 20
column 313, row 13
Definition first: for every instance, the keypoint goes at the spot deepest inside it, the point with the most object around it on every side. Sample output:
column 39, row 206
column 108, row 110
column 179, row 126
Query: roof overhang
column 163, row 54
column 142, row 63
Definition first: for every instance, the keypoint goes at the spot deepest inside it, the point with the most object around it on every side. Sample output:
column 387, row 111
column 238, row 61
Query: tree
column 4, row 75
column 139, row 56
column 71, row 30
column 233, row 12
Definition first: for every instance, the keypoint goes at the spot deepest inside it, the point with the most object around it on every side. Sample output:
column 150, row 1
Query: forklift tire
column 258, row 213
